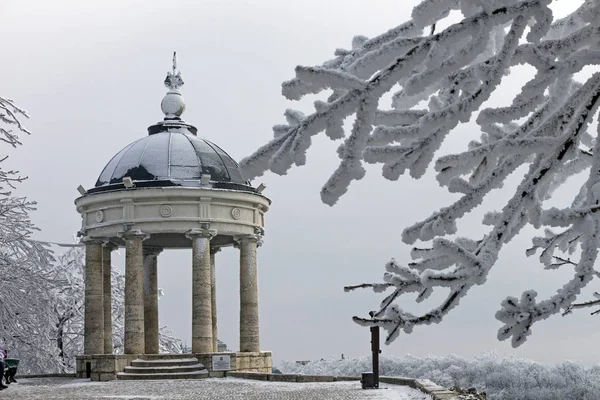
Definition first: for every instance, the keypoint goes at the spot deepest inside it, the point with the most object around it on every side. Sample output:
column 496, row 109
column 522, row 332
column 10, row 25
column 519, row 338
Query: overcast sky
column 90, row 74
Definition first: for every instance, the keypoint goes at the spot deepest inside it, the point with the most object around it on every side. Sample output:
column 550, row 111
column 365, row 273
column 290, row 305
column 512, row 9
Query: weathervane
column 174, row 80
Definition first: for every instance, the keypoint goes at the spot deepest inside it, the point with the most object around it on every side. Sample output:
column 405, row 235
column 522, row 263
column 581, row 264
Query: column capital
column 92, row 240
column 133, row 234
column 238, row 240
column 107, row 245
column 203, row 233
column 214, row 249
column 151, row 250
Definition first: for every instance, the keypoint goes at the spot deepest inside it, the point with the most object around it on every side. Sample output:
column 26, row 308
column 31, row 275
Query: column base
column 102, row 367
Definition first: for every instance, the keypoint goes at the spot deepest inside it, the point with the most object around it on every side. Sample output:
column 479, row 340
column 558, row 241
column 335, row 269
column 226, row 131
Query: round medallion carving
column 99, row 216
column 166, row 211
column 236, row 213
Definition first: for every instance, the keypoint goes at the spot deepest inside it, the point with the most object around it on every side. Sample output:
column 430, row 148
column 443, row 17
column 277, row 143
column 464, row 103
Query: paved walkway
column 213, row 389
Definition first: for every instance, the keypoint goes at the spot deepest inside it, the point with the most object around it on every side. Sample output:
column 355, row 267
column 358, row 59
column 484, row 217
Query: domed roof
column 172, row 154
column 175, row 157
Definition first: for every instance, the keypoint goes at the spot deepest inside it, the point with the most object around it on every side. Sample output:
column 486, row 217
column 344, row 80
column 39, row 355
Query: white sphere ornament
column 172, row 105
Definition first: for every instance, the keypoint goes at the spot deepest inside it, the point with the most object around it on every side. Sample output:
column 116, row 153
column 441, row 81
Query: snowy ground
column 214, row 389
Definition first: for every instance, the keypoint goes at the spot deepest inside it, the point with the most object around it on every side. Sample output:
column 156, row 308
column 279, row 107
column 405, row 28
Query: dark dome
column 172, row 157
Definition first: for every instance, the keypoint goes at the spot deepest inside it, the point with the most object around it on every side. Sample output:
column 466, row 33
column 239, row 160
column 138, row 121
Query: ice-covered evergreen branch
column 438, row 81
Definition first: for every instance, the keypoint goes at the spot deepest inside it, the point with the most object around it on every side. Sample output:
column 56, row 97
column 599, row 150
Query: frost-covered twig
column 586, row 304
column 10, row 116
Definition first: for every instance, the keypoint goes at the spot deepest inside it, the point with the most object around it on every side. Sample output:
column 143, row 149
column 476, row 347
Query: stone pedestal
column 134, row 299
column 249, row 327
column 93, row 341
column 260, row 361
column 202, row 341
column 102, row 368
column 105, row 367
column 151, row 328
column 250, row 362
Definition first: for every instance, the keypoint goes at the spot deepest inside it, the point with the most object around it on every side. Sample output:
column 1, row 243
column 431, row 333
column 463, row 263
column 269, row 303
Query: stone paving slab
column 213, row 389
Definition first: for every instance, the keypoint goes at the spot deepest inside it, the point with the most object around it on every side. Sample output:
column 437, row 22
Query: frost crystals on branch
column 438, row 81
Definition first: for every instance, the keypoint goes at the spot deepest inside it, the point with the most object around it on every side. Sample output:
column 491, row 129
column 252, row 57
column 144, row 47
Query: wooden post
column 375, row 349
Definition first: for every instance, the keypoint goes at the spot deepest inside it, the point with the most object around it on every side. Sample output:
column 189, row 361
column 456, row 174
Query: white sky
column 90, row 74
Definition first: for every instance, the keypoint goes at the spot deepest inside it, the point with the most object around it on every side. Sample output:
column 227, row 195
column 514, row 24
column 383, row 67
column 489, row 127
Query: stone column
column 213, row 296
column 151, row 299
column 93, row 336
column 134, row 297
column 249, row 328
column 202, row 341
column 107, row 249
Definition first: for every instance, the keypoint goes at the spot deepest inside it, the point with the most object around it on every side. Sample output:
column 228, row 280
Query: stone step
column 199, row 374
column 166, row 356
column 162, row 370
column 181, row 362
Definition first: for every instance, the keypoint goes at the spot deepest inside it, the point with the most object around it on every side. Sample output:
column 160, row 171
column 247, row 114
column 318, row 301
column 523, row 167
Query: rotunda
column 169, row 189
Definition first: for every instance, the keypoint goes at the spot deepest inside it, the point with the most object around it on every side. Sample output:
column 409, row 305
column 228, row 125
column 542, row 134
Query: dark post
column 375, row 349
column 88, row 369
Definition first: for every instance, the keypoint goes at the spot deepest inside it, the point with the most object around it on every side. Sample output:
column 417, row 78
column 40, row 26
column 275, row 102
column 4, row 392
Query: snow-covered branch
column 438, row 81
column 10, row 117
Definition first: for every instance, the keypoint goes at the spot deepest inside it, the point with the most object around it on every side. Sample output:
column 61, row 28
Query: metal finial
column 172, row 104
column 174, row 80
